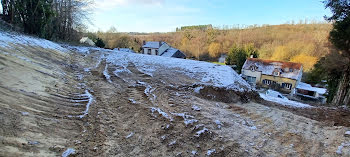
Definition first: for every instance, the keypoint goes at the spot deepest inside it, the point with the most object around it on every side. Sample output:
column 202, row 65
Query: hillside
column 62, row 100
column 304, row 43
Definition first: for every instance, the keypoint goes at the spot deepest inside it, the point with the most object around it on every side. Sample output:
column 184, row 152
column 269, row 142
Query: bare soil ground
column 43, row 100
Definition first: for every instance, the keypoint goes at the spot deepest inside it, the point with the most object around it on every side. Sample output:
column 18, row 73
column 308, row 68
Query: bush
column 99, row 43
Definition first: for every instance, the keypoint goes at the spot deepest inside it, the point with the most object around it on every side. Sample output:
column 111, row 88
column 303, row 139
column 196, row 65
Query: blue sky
column 166, row 15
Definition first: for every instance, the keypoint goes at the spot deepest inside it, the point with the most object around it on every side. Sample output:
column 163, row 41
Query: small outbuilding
column 306, row 91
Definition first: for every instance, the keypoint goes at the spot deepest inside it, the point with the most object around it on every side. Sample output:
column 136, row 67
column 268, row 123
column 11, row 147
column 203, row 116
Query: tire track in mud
column 134, row 130
column 42, row 126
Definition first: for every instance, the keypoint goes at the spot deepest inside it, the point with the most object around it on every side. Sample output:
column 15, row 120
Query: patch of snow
column 106, row 74
column 152, row 44
column 347, row 133
column 133, row 101
column 308, row 87
column 207, row 73
column 91, row 98
column 160, row 112
column 284, row 102
column 210, row 151
column 200, row 132
column 130, row 135
column 24, row 113
column 188, row 119
column 163, row 137
column 196, row 108
column 7, row 38
column 172, row 143
column 339, row 150
column 252, row 127
column 69, row 151
column 193, row 152
column 87, row 69
column 218, row 123
column 33, row 142
column 198, row 89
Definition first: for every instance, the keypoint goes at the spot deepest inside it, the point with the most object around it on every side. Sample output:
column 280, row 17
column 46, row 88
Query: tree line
column 304, row 43
column 50, row 19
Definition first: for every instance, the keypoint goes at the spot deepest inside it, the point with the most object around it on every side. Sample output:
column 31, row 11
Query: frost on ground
column 148, row 107
column 68, row 152
column 218, row 75
column 284, row 102
column 7, row 39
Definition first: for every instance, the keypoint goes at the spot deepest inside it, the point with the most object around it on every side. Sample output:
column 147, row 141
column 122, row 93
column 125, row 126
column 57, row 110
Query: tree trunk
column 347, row 98
column 340, row 96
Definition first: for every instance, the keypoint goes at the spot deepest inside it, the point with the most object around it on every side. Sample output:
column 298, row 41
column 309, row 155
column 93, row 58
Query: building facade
column 266, row 73
column 161, row 49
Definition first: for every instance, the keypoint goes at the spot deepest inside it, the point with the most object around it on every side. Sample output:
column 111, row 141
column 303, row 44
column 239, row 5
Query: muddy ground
column 44, row 100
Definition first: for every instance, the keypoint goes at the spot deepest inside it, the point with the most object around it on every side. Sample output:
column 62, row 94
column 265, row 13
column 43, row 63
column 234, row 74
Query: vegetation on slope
column 304, row 42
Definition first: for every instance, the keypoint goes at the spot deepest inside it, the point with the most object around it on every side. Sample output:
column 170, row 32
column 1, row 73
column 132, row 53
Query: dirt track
column 137, row 114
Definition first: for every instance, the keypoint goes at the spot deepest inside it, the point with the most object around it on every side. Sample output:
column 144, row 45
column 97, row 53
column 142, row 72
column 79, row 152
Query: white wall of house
column 163, row 48
column 256, row 74
column 153, row 51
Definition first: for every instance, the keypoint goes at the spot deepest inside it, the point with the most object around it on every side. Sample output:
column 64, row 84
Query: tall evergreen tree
column 340, row 38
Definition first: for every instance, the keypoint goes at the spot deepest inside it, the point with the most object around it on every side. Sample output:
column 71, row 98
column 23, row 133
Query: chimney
column 143, row 42
column 251, row 56
column 160, row 43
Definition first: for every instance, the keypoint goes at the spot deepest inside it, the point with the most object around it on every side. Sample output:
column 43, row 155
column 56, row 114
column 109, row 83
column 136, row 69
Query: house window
column 149, row 51
column 267, row 82
column 287, row 86
column 253, row 68
column 156, row 52
column 251, row 79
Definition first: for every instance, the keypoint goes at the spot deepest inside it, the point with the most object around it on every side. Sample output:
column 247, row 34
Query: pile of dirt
column 225, row 95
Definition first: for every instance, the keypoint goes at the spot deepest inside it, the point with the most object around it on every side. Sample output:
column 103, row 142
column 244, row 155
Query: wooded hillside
column 304, row 43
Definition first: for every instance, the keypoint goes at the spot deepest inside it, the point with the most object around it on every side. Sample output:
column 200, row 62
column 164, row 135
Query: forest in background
column 305, row 42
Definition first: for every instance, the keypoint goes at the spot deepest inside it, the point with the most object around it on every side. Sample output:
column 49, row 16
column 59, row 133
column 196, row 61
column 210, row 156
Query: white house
column 87, row 40
column 161, row 49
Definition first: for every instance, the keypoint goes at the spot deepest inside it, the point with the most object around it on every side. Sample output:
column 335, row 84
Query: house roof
column 267, row 67
column 169, row 52
column 173, row 52
column 308, row 87
column 152, row 44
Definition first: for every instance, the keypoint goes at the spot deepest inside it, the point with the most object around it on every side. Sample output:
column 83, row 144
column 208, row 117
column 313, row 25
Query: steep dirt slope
column 39, row 92
column 83, row 101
